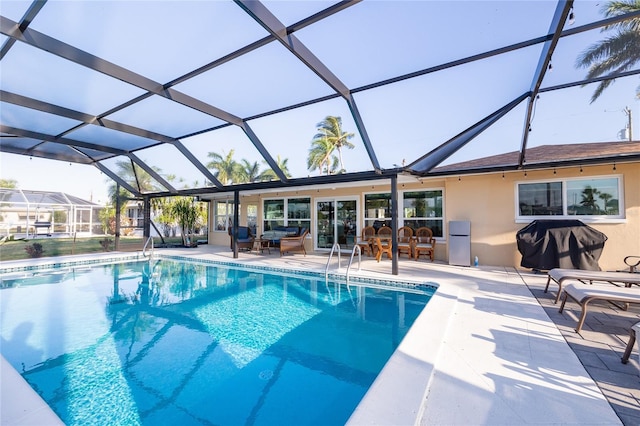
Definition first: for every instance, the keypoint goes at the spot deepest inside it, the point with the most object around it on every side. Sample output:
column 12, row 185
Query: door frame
column 335, row 200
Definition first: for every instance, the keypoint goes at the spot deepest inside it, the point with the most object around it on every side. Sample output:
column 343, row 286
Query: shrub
column 34, row 250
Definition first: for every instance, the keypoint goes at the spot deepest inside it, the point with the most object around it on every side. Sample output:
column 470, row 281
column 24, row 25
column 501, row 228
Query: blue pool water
column 168, row 343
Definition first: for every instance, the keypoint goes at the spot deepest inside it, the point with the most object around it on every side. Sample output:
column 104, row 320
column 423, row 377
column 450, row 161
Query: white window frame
column 619, row 218
column 228, row 216
column 401, row 216
column 364, row 208
column 286, row 210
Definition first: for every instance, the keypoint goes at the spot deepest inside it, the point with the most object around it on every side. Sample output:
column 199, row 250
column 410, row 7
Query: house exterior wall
column 488, row 201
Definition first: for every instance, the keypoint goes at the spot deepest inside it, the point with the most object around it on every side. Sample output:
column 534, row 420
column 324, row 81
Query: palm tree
column 269, row 174
column 249, row 172
column 617, row 53
column 320, row 156
column 134, row 176
column 331, row 129
column 228, row 170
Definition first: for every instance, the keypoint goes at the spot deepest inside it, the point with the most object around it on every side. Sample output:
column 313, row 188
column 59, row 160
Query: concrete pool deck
column 489, row 349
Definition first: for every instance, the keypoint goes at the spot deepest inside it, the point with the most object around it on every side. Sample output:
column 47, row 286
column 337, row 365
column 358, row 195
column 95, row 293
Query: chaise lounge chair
column 289, row 244
column 584, row 294
column 559, row 275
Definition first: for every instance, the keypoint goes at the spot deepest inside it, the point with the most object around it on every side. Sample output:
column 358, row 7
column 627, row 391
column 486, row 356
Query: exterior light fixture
column 614, row 166
column 572, row 18
column 580, row 169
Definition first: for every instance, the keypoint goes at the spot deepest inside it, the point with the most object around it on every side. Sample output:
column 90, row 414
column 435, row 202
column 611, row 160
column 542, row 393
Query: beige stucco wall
column 489, row 203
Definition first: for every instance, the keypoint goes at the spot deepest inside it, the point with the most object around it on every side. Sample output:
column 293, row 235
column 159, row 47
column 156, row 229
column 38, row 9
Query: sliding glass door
column 336, row 223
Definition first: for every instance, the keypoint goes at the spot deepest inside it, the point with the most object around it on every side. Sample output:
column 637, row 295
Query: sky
column 366, row 43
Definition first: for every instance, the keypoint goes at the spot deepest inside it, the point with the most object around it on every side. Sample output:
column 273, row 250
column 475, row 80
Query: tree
column 320, row 157
column 330, row 132
column 8, row 183
column 249, row 172
column 134, row 176
column 617, row 53
column 269, row 174
column 227, row 169
column 186, row 212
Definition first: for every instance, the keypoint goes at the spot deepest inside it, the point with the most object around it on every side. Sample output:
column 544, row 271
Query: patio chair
column 245, row 238
column 294, row 244
column 424, row 243
column 559, row 275
column 382, row 246
column 632, row 262
column 584, row 294
column 365, row 240
column 405, row 241
column 385, row 232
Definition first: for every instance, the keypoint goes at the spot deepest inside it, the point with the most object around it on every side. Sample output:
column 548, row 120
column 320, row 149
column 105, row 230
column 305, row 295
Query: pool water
column 168, row 342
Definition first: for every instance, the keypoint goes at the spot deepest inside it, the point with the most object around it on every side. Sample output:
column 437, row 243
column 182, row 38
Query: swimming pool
column 167, row 342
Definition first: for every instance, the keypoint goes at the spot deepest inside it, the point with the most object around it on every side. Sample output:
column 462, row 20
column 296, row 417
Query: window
column 377, row 210
column 298, row 213
column 252, row 218
column 423, row 208
column 588, row 198
column 222, row 215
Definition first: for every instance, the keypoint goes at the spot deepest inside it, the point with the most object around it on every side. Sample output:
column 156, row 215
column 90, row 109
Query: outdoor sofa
column 274, row 235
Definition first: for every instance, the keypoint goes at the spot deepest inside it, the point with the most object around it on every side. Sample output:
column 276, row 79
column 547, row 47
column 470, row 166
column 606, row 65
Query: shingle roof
column 546, row 154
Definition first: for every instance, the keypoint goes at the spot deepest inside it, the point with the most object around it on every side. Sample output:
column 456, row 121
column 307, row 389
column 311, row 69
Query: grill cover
column 568, row 244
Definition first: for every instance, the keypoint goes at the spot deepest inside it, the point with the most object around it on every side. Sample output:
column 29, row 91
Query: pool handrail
column 326, row 269
column 144, row 248
column 353, row 252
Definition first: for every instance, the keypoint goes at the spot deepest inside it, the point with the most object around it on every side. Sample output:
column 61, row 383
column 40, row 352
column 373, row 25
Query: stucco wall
column 489, row 203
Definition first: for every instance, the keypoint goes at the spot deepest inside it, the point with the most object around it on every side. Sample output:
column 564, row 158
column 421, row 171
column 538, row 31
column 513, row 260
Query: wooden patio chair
column 405, row 241
column 424, row 243
column 365, row 240
column 293, row 244
column 382, row 246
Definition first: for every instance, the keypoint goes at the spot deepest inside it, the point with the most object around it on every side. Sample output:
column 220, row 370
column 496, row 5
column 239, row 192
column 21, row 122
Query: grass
column 51, row 247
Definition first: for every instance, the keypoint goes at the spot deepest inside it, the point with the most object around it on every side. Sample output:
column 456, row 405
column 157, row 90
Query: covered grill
column 568, row 244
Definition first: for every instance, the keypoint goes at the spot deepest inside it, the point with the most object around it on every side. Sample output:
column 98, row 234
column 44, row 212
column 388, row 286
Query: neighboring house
column 45, row 212
column 597, row 183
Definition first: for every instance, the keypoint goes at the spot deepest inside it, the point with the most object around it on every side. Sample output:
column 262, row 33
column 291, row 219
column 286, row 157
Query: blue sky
column 366, row 43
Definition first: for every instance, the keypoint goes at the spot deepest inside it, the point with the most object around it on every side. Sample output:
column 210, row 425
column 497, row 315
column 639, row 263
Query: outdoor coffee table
column 260, row 245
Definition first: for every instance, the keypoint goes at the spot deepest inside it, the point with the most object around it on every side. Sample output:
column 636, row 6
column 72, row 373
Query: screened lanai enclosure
column 160, row 96
column 30, row 214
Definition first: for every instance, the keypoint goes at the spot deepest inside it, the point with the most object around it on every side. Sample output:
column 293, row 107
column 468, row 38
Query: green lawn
column 16, row 250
